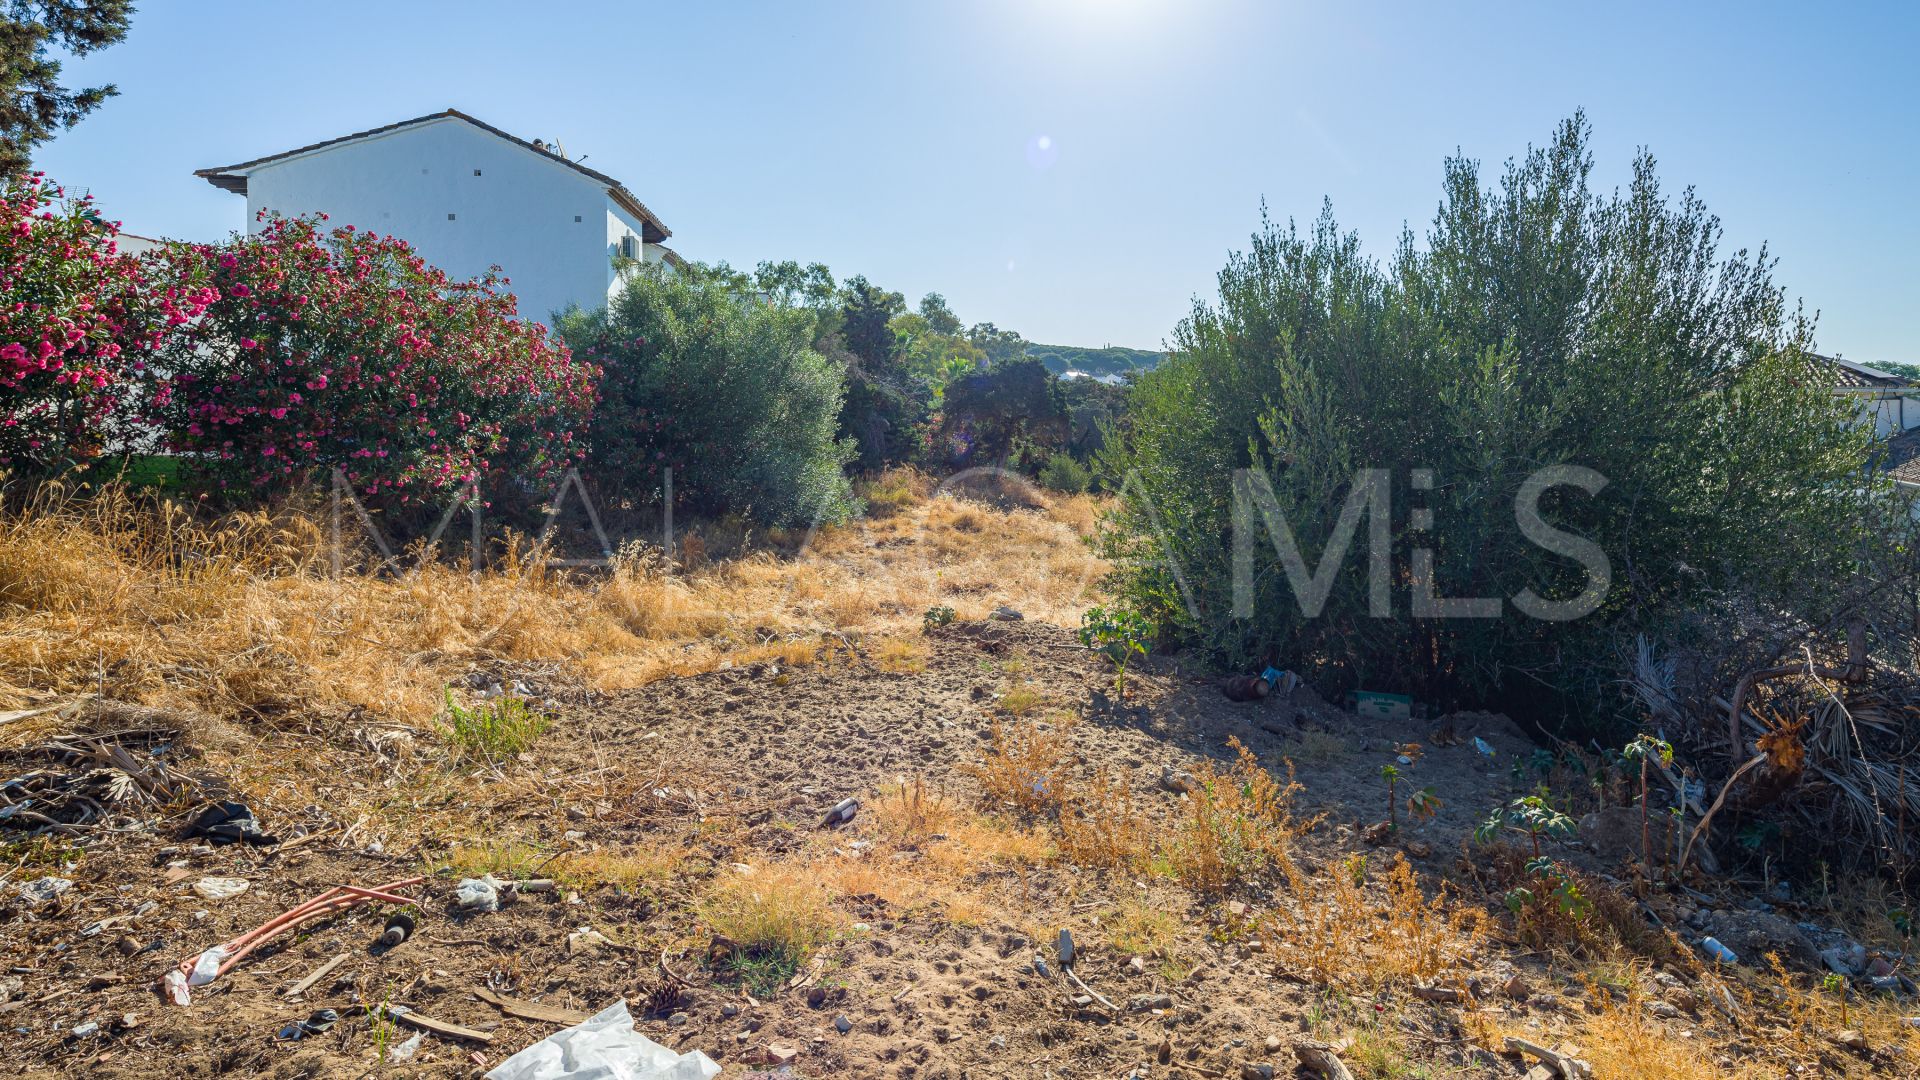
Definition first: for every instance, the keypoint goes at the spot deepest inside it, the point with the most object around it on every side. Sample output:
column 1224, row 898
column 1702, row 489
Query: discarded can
column 842, row 812
column 1064, row 949
column 1719, row 952
column 397, row 930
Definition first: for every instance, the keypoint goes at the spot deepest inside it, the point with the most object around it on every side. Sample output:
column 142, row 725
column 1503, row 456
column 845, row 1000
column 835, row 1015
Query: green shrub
column 493, row 731
column 704, row 378
column 1541, row 323
column 1062, row 473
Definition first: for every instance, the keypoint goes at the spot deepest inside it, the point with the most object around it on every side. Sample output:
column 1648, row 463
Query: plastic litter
column 478, row 894
column 1720, row 952
column 220, row 888
column 228, row 823
column 604, row 1047
column 406, row 1050
column 44, row 890
column 1283, row 681
column 206, row 966
column 1483, row 746
column 322, row 1020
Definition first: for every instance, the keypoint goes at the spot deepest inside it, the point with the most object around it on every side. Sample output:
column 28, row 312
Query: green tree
column 1542, row 323
column 33, row 105
column 1001, row 346
column 721, row 387
column 933, row 308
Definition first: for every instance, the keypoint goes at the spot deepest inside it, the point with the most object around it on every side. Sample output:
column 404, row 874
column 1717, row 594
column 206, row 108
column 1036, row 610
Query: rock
column 816, row 997
column 1137, row 965
column 841, row 1024
column 586, row 941
column 1851, row 1039
column 1614, row 832
column 1256, row 1072
column 998, row 1042
column 1003, row 613
column 44, row 890
column 1752, row 934
column 679, row 1019
column 1663, row 1011
column 1516, row 988
column 1849, row 960
column 777, row 1055
column 1149, row 1002
column 1541, row 1072
column 215, row 889
column 128, row 945
column 1176, row 780
column 729, row 1010
column 1273, row 1044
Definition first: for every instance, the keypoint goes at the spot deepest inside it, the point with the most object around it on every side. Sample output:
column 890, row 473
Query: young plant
column 1119, row 634
column 1391, row 775
column 936, row 617
column 495, row 731
column 1642, row 749
column 1422, row 805
column 1836, row 984
column 1535, row 817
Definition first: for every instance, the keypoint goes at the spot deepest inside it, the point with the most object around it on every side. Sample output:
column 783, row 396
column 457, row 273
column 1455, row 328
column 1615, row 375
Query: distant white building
column 467, row 196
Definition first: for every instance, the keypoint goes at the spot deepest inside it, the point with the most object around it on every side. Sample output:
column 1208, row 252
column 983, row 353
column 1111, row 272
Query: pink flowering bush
column 77, row 321
column 343, row 349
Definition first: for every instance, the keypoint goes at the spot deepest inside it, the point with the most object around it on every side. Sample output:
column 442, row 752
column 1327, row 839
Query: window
column 449, row 217
column 576, row 219
column 630, row 246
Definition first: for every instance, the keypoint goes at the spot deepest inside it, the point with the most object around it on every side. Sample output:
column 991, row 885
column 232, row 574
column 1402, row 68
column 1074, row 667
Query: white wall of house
column 1889, row 411
column 465, row 199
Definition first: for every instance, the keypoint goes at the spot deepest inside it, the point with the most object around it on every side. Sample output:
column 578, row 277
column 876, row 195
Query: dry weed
column 1026, row 766
column 1237, row 826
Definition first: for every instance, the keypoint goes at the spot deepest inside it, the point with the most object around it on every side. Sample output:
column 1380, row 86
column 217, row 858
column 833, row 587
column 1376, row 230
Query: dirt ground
column 942, row 960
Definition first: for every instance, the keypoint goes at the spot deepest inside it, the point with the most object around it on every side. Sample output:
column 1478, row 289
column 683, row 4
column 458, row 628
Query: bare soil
column 736, row 768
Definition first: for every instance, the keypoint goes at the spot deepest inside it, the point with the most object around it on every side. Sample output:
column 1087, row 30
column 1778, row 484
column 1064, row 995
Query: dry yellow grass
column 242, row 617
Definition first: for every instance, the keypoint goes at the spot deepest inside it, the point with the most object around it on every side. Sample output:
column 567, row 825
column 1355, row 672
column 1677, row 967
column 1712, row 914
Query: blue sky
column 904, row 140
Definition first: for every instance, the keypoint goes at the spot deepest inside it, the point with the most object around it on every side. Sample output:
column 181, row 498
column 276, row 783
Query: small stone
column 128, row 945
column 1003, row 613
column 1138, row 965
column 679, row 1019
column 998, row 1042
column 87, row 1030
column 1176, row 780
column 1663, row 1010
column 729, row 1010
column 586, row 941
column 842, row 1025
column 1149, row 1002
column 1272, row 1044
column 780, row 1055
column 1236, row 909
column 1851, row 1039
column 1256, row 1071
column 1516, row 988
column 816, row 997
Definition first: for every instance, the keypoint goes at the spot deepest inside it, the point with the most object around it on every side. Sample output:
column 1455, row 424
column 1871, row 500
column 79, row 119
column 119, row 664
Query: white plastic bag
column 604, row 1047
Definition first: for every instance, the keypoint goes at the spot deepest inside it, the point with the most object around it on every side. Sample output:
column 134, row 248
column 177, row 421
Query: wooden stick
column 319, row 973
column 439, row 1027
column 532, row 1010
column 1095, row 994
column 1552, row 1059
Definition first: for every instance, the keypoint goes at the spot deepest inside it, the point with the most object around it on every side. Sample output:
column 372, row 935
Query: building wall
column 1889, row 413
column 545, row 225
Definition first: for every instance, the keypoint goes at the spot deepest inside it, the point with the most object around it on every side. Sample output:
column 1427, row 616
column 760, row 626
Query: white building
column 467, row 196
column 1881, row 398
